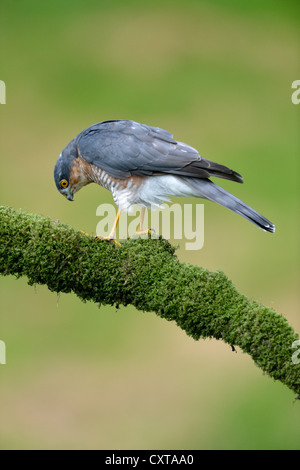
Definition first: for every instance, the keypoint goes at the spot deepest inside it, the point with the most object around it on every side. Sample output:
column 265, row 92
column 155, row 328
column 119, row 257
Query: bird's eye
column 64, row 184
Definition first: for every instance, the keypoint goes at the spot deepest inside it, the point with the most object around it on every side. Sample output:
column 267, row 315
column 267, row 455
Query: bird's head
column 62, row 178
column 63, row 171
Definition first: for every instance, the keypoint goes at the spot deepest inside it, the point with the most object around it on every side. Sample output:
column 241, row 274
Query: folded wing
column 125, row 148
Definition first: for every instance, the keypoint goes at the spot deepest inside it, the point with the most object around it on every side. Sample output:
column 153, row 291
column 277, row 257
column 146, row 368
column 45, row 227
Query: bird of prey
column 144, row 165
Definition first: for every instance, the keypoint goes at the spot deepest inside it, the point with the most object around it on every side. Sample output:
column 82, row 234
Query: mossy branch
column 146, row 274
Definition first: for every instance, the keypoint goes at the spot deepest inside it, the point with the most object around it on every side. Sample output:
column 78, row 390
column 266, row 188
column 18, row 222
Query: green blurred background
column 218, row 75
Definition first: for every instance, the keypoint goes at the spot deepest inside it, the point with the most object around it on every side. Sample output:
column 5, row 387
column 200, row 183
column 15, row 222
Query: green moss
column 147, row 274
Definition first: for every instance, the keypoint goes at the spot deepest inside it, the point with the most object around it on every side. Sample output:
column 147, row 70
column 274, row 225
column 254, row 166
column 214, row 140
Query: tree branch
column 146, row 274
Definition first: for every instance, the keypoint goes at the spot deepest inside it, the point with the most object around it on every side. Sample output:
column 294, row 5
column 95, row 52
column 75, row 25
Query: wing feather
column 125, row 148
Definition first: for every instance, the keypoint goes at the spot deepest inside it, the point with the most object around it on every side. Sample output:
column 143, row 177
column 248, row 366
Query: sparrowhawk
column 144, row 165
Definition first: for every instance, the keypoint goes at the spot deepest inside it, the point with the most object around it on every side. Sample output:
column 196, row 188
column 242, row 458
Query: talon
column 115, row 241
column 108, row 239
column 146, row 232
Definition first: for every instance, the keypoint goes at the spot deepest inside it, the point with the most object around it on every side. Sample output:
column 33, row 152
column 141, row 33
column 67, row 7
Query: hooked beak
column 70, row 197
column 68, row 194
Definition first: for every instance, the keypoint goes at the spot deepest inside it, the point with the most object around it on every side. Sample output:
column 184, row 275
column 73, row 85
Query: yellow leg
column 111, row 236
column 142, row 217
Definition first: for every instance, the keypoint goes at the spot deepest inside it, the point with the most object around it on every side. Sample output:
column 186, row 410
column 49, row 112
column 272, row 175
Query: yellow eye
column 64, row 184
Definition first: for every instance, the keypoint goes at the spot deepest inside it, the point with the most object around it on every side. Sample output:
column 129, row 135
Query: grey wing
column 125, row 148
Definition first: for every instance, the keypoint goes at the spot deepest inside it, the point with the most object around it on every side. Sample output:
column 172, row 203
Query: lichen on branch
column 148, row 275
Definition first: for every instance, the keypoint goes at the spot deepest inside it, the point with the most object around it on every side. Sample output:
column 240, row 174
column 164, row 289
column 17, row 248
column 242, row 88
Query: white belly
column 153, row 192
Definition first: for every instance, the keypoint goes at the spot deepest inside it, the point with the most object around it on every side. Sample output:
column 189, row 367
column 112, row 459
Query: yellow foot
column 149, row 231
column 108, row 239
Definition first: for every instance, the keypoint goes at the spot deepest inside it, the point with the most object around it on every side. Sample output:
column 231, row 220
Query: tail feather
column 209, row 190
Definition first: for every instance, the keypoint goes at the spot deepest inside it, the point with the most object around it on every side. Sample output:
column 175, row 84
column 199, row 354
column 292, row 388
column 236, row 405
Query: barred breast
column 124, row 191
